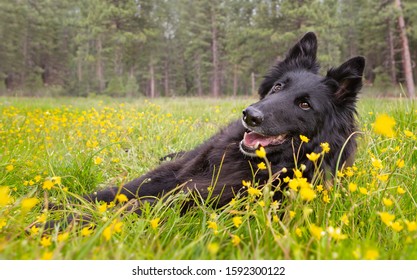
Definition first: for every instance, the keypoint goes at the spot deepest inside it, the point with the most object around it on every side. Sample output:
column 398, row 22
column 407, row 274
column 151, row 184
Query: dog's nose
column 252, row 116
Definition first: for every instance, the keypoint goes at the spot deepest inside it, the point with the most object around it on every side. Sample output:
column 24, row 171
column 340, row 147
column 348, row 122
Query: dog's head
column 295, row 100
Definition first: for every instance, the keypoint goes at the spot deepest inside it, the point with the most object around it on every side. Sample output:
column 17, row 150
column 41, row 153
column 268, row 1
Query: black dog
column 294, row 100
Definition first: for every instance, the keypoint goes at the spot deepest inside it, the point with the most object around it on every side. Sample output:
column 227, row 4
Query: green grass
column 88, row 144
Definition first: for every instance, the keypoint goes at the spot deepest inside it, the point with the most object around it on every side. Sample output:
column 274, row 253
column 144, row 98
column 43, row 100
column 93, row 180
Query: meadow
column 52, row 150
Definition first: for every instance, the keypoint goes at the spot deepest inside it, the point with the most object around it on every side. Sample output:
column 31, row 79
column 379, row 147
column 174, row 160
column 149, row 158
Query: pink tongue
column 252, row 138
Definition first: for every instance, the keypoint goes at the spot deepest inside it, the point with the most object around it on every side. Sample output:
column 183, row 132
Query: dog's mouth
column 253, row 140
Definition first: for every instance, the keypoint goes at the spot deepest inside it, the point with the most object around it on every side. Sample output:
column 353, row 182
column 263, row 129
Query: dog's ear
column 306, row 47
column 349, row 79
column 301, row 56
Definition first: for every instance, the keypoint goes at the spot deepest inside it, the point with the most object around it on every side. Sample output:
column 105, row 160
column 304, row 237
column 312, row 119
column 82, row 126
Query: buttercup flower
column 304, row 139
column 313, row 157
column 155, row 222
column 236, row 240
column 261, row 152
column 237, row 221
column 384, row 125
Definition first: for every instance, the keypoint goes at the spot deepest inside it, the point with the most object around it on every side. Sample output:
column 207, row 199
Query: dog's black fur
column 294, row 100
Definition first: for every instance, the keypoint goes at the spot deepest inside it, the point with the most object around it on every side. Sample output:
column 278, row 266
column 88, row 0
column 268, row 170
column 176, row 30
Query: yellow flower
column 293, row 184
column 98, row 160
column 298, row 173
column 325, row 147
column 155, row 223
column 114, row 227
column 213, row 248
column 326, row 198
column 29, row 203
column 47, row 185
column 56, row 180
column 386, row 218
column 9, row 168
column 213, row 226
column 34, row 230
column 2, row 223
column 63, row 236
column 383, row 177
column 384, row 125
column 46, row 241
column 371, row 254
column 396, row 226
column 352, row 187
column 319, row 188
column 400, row 163
column 387, row 202
column 363, row 191
column 262, row 166
column 42, row 218
column 298, row 232
column 236, row 240
column 349, row 172
column 400, row 190
column 377, row 163
column 237, row 221
column 292, row 214
column 246, row 183
column 107, row 233
column 336, row 233
column 408, row 133
column 275, row 218
column 313, row 157
column 411, row 226
column 254, row 191
column 122, row 198
column 304, row 139
column 47, row 255
column 261, row 152
column 5, row 197
column 38, row 178
column 102, row 207
column 345, row 219
column 307, row 194
column 316, row 232
column 86, row 231
column 232, row 202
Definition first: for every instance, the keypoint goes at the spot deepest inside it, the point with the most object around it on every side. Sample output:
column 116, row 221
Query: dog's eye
column 277, row 87
column 304, row 105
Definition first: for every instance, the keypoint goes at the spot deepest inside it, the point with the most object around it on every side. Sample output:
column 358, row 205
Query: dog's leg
column 154, row 184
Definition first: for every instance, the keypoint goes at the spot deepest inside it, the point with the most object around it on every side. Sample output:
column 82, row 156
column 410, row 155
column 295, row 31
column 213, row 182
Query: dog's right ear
column 303, row 55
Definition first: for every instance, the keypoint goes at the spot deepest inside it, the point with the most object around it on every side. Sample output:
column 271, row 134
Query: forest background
column 133, row 48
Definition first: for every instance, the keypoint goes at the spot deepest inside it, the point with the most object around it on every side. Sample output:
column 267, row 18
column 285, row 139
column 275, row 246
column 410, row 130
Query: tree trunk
column 79, row 69
column 253, row 83
column 215, row 54
column 406, row 58
column 166, row 78
column 392, row 69
column 151, row 80
column 199, row 77
column 235, row 80
column 99, row 66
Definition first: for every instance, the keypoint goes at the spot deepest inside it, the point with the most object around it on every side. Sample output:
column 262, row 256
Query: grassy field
column 55, row 149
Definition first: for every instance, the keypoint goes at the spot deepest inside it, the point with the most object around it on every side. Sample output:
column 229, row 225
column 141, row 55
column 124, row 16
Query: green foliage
column 167, row 46
column 75, row 146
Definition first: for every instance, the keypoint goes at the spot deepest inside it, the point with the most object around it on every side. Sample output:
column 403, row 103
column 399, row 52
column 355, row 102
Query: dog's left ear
column 349, row 79
column 306, row 47
column 302, row 55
